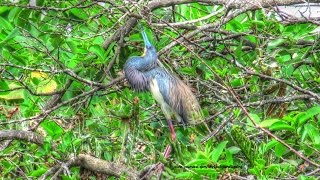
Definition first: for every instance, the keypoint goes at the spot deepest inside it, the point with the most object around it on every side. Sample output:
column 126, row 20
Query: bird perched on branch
column 174, row 97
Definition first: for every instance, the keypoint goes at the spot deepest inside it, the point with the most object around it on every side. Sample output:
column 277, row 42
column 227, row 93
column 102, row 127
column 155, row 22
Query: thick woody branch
column 21, row 135
column 93, row 164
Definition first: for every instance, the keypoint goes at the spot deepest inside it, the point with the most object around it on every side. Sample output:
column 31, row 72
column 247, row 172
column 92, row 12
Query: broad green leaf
column 237, row 82
column 52, row 128
column 275, row 43
column 282, row 59
column 72, row 43
column 205, row 171
column 3, row 85
column 202, row 155
column 79, row 13
column 273, row 169
column 270, row 145
column 56, row 40
column 280, row 150
column 313, row 133
column 10, row 36
column 234, row 149
column 5, row 24
column 184, row 175
column 281, row 125
column 47, row 86
column 22, row 19
column 20, row 59
column 268, row 122
column 38, row 75
column 260, row 163
column 197, row 162
column 188, row 70
column 218, row 151
column 256, row 118
column 98, row 50
column 13, row 95
column 38, row 172
column 5, row 53
column 303, row 117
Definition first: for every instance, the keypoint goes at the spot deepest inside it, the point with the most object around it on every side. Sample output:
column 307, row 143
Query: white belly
column 155, row 91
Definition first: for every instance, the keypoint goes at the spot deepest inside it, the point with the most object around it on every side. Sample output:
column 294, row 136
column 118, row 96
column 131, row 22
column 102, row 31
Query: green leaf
column 52, row 128
column 288, row 70
column 202, row 155
column 197, row 162
column 205, row 171
column 79, row 13
column 13, row 95
column 218, row 151
column 23, row 17
column 272, row 169
column 281, row 125
column 280, row 150
column 5, row 24
column 237, row 82
column 5, row 53
column 38, row 172
column 98, row 50
column 3, row 85
column 10, row 36
column 313, row 133
column 188, row 70
column 250, row 125
column 270, row 145
column 234, row 149
column 184, row 175
column 275, row 43
column 303, row 117
column 229, row 159
column 268, row 122
column 56, row 40
column 260, row 163
column 20, row 59
column 47, row 86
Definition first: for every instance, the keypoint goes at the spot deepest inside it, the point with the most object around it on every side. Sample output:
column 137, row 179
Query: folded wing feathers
column 185, row 103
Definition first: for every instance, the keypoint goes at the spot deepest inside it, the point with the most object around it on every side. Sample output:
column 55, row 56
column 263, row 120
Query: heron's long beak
column 145, row 39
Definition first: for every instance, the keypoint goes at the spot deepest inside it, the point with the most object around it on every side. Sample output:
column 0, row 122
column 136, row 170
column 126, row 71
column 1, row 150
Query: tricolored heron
column 174, row 97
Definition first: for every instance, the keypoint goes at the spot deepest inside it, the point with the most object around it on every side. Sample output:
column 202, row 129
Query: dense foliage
column 256, row 78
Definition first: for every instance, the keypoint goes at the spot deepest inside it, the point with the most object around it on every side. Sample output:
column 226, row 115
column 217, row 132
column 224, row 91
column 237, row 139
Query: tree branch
column 21, row 135
column 93, row 164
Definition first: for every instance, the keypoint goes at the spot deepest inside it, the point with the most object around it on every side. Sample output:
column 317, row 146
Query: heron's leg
column 167, row 111
column 173, row 133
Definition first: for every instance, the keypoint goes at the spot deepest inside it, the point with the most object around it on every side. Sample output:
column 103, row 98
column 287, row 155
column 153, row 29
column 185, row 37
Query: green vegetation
column 63, row 96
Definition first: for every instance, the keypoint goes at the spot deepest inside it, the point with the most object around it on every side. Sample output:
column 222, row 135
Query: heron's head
column 148, row 45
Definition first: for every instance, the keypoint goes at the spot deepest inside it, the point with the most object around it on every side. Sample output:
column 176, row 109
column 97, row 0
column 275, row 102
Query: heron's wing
column 184, row 102
column 177, row 95
column 138, row 80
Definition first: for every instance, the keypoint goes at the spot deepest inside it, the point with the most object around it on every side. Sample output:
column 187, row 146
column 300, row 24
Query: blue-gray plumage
column 174, row 97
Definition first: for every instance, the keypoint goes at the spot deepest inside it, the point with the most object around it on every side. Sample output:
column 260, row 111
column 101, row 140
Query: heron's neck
column 151, row 56
column 140, row 63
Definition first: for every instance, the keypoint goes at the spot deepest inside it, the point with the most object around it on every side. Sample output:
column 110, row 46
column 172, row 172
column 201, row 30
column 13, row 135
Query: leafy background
column 256, row 78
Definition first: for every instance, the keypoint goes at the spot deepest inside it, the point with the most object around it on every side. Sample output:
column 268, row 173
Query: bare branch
column 21, row 135
column 93, row 164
